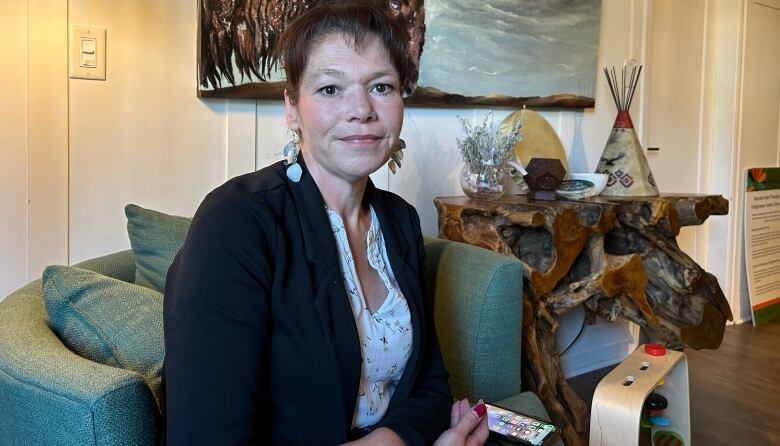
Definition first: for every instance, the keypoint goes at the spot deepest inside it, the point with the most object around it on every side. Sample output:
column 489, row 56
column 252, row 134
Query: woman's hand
column 469, row 426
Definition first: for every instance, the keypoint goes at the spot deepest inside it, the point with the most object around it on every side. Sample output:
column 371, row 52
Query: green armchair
column 479, row 312
column 51, row 396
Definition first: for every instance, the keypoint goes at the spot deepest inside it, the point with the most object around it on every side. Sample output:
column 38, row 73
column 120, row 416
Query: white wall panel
column 13, row 148
column 142, row 136
column 272, row 132
column 674, row 70
column 242, row 127
column 722, row 72
column 47, row 110
column 432, row 162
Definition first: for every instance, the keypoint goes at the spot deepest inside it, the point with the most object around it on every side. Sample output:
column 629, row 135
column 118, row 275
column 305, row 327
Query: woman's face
column 349, row 111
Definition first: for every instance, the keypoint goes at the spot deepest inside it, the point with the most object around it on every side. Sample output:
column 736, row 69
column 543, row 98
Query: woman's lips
column 361, row 139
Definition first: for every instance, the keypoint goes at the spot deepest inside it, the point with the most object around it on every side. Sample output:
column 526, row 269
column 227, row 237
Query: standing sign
column 762, row 242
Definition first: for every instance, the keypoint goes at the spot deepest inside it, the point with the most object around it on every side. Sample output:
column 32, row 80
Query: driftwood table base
column 615, row 256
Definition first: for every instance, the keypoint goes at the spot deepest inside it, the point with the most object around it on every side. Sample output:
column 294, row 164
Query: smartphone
column 518, row 428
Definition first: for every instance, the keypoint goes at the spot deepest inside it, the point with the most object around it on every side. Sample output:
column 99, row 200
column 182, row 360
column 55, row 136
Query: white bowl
column 599, row 180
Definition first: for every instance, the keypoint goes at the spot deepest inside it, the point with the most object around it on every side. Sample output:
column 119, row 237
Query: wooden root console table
column 616, row 256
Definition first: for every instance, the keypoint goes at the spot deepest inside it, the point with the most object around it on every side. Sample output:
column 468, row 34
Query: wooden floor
column 735, row 390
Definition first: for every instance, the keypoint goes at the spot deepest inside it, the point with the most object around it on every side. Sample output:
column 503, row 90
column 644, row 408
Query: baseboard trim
column 593, row 359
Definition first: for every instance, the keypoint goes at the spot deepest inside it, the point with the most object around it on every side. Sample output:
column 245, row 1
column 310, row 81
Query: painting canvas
column 492, row 52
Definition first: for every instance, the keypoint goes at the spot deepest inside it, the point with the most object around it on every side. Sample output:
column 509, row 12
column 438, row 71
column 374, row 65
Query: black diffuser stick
column 611, row 87
column 617, row 89
column 623, row 87
column 631, row 85
column 633, row 89
column 623, row 92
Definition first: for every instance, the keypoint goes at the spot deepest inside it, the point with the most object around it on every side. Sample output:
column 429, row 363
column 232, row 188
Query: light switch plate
column 87, row 52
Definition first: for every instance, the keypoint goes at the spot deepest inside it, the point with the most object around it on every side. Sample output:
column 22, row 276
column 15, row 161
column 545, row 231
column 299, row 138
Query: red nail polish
column 480, row 409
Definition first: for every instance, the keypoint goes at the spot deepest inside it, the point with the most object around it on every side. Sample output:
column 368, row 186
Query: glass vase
column 484, row 181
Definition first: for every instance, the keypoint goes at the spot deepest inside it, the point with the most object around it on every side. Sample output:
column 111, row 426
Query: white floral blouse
column 386, row 335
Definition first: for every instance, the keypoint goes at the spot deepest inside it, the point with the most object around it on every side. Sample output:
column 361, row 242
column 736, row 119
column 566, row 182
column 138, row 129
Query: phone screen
column 518, row 427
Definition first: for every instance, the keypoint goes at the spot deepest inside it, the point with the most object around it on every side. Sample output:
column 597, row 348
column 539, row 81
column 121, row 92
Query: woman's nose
column 360, row 106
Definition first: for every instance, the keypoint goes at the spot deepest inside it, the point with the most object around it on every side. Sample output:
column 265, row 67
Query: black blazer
column 261, row 344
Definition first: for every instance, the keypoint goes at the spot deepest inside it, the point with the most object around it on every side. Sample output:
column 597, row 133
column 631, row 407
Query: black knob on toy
column 656, row 402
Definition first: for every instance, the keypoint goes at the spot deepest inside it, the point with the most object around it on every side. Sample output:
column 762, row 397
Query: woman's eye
column 329, row 90
column 395, row 5
column 383, row 88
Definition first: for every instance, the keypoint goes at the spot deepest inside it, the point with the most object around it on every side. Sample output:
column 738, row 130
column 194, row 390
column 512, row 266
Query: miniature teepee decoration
column 623, row 158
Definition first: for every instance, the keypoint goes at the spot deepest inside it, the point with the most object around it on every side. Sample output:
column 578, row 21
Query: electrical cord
column 576, row 338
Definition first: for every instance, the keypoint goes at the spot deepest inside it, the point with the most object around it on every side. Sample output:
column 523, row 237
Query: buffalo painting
column 489, row 52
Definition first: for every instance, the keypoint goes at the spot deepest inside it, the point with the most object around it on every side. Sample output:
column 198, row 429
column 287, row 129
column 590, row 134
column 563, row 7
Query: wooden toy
column 620, row 398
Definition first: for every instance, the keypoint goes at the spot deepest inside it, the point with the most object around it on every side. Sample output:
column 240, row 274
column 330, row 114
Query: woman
column 294, row 312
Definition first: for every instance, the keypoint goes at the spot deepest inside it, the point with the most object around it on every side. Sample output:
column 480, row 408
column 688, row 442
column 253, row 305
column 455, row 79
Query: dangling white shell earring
column 290, row 152
column 397, row 156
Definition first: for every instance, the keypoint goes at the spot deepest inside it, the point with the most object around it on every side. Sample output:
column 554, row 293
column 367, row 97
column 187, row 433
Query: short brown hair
column 353, row 20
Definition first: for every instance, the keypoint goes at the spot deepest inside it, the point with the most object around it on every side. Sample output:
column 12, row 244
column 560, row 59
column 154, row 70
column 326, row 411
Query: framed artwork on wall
column 492, row 52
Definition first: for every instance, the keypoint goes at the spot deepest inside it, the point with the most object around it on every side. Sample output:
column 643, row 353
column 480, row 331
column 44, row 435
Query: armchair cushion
column 106, row 320
column 155, row 238
column 478, row 315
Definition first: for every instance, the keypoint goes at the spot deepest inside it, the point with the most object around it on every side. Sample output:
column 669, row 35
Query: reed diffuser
column 623, row 159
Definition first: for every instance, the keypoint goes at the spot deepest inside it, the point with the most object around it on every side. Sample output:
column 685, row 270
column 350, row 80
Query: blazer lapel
column 330, row 299
column 318, row 238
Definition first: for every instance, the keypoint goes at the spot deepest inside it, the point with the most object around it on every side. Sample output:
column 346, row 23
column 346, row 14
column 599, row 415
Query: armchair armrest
column 50, row 395
column 119, row 265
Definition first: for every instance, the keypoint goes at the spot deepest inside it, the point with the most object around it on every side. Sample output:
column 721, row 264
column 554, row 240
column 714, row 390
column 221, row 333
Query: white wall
column 758, row 134
column 142, row 136
column 713, row 79
column 13, row 146
column 723, row 18
column 674, row 70
column 47, row 134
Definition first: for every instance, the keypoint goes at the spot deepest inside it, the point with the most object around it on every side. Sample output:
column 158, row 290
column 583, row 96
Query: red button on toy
column 655, row 349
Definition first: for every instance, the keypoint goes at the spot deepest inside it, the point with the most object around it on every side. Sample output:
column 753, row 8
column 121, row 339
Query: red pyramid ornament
column 623, row 158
